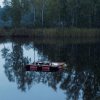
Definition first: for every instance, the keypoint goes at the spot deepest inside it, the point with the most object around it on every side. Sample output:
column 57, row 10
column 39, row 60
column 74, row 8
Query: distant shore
column 54, row 35
column 51, row 32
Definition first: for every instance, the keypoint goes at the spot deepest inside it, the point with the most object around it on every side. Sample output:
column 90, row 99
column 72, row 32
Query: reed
column 52, row 32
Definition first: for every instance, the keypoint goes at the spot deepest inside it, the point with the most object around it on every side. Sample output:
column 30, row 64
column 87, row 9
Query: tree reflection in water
column 76, row 82
column 14, row 66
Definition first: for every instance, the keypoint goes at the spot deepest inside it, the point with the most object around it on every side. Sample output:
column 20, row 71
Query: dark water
column 81, row 80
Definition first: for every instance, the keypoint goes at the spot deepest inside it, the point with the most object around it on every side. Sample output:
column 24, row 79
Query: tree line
column 50, row 13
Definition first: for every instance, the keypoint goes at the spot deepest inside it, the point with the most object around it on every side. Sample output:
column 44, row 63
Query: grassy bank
column 52, row 33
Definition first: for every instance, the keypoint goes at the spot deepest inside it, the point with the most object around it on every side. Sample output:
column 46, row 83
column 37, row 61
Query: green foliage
column 5, row 14
column 50, row 13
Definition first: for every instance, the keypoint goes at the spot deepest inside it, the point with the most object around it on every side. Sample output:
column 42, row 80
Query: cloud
column 1, row 2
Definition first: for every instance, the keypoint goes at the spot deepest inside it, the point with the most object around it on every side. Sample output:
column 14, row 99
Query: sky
column 1, row 2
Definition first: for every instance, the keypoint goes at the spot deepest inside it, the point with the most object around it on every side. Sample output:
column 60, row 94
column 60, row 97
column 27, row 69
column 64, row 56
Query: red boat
column 49, row 67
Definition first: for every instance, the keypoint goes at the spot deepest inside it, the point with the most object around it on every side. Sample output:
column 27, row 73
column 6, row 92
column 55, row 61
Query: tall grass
column 53, row 32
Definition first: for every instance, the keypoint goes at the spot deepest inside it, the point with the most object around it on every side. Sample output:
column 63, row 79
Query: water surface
column 81, row 80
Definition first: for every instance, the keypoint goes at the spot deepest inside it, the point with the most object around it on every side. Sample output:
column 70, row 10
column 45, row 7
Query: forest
column 50, row 13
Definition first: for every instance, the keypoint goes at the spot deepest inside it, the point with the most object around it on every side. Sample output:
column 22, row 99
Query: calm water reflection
column 81, row 80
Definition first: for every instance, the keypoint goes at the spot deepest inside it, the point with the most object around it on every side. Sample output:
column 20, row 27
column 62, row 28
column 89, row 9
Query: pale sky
column 1, row 2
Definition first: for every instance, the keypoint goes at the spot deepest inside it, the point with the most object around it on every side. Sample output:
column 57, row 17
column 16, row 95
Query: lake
column 81, row 80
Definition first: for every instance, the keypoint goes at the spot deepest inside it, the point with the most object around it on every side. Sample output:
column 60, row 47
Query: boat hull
column 42, row 68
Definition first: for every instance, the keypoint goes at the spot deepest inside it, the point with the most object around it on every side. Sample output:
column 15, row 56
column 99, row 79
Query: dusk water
column 81, row 80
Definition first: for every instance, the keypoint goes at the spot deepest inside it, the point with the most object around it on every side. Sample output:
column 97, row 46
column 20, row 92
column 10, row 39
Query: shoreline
column 51, row 32
column 55, row 36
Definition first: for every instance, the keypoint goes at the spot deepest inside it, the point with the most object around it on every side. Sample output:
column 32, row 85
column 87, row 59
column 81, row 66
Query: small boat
column 47, row 67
